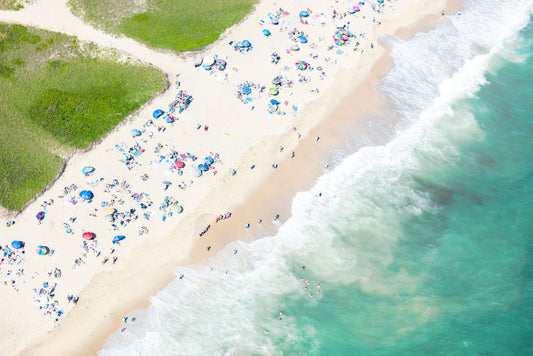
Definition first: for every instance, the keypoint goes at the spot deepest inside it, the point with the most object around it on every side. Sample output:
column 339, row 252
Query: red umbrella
column 88, row 235
column 180, row 164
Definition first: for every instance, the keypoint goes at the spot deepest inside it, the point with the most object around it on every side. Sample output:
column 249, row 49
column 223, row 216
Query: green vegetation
column 12, row 4
column 58, row 95
column 179, row 25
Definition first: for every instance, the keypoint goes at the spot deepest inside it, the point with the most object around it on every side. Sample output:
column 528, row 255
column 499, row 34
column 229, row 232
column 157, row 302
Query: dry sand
column 241, row 136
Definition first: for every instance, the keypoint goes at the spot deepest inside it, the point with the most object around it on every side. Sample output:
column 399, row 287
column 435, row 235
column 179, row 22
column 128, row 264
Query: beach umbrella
column 180, row 164
column 88, row 235
column 203, row 167
column 118, row 238
column 40, row 215
column 198, row 172
column 274, row 102
column 277, row 80
column 304, row 14
column 246, row 43
column 110, row 218
column 88, row 170
column 42, row 250
column 198, row 63
column 356, row 8
column 274, row 20
column 209, row 161
column 17, row 244
column 135, row 133
column 169, row 119
column 209, row 61
column 86, row 194
column 302, row 39
column 158, row 113
column 246, row 90
column 273, row 91
column 109, row 210
column 295, row 48
column 179, row 209
column 266, row 32
column 301, row 65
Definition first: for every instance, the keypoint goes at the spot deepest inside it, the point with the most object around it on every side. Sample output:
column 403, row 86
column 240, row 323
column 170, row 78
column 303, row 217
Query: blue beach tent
column 158, row 113
column 118, row 238
column 304, row 14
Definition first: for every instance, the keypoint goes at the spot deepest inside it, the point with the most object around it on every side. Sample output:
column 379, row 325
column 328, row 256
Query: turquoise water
column 423, row 246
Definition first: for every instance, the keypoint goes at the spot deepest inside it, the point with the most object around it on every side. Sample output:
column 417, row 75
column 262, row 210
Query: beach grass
column 12, row 4
column 178, row 25
column 58, row 95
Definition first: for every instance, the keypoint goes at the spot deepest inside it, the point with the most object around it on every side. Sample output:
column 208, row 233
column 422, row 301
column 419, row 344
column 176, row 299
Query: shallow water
column 421, row 246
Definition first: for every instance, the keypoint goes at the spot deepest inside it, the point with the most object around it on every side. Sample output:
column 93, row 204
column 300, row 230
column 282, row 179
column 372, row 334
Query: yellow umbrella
column 109, row 210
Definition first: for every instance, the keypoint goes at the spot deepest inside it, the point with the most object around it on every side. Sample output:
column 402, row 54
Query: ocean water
column 422, row 246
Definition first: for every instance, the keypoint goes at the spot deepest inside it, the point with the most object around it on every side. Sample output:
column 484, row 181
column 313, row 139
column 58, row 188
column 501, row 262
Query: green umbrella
column 274, row 91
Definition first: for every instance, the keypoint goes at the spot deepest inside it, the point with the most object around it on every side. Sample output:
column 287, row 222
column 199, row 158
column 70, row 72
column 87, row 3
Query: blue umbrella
column 246, row 90
column 198, row 172
column 209, row 161
column 246, row 43
column 40, row 215
column 302, row 39
column 274, row 102
column 179, row 209
column 274, row 20
column 118, row 238
column 158, row 113
column 86, row 194
column 135, row 133
column 17, row 244
column 304, row 14
column 266, row 32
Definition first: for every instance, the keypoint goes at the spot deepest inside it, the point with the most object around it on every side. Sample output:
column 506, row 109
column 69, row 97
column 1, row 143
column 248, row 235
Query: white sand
column 241, row 136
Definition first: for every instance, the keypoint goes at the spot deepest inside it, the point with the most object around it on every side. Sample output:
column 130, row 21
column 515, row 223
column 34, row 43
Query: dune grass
column 58, row 96
column 11, row 4
column 179, row 25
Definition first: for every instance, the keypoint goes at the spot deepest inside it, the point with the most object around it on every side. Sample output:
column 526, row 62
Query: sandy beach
column 251, row 171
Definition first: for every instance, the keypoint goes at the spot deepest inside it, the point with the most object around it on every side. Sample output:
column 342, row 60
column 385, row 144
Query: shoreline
column 115, row 286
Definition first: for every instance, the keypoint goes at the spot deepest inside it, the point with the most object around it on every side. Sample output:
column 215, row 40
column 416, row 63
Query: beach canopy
column 304, row 14
column 86, row 194
column 301, row 65
column 243, row 44
column 180, row 164
column 266, row 32
column 109, row 210
column 17, row 244
column 88, row 170
column 273, row 91
column 135, row 133
column 302, row 39
column 42, row 250
column 179, row 209
column 246, row 90
column 209, row 161
column 157, row 113
column 88, row 235
column 118, row 238
column 40, row 215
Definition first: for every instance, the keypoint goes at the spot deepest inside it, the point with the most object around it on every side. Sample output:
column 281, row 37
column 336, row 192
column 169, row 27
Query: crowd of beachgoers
column 118, row 210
